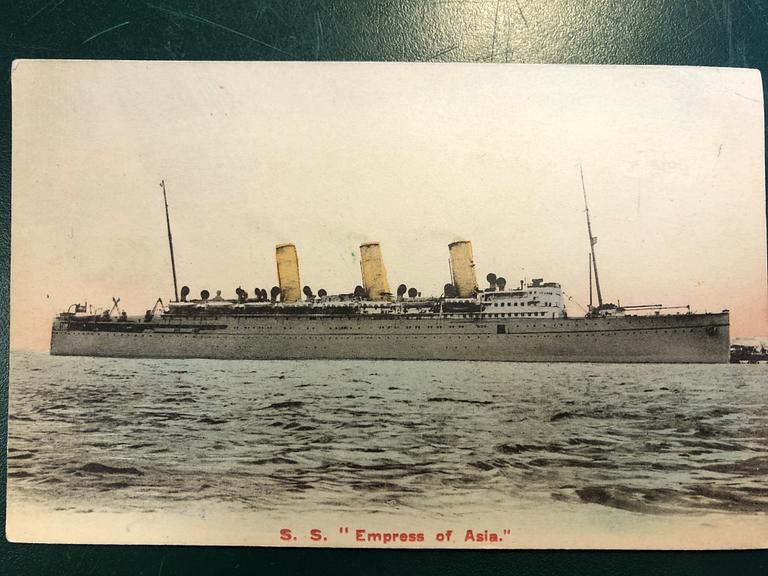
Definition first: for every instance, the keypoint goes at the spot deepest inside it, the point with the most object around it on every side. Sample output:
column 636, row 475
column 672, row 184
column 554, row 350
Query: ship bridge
column 534, row 299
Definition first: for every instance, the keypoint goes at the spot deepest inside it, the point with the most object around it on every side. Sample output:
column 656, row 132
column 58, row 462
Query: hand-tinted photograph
column 388, row 305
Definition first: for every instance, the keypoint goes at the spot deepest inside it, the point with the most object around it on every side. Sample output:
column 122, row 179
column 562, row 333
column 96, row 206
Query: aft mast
column 589, row 267
column 170, row 242
column 592, row 242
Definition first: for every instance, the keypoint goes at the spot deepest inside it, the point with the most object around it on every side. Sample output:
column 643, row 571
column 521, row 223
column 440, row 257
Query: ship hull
column 688, row 338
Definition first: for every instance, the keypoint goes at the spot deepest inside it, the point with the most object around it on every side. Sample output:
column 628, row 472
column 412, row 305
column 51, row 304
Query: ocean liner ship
column 527, row 322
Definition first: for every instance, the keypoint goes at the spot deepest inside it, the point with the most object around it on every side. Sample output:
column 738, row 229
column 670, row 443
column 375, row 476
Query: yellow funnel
column 288, row 272
column 463, row 269
column 374, row 274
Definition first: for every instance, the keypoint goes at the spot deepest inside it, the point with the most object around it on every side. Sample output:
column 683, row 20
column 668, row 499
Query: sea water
column 425, row 439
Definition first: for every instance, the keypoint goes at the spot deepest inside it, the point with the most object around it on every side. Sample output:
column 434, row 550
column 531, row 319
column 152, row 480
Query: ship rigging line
column 571, row 299
column 170, row 241
column 592, row 239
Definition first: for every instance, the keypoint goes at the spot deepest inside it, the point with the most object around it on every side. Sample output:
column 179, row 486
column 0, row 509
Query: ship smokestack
column 288, row 273
column 463, row 269
column 374, row 274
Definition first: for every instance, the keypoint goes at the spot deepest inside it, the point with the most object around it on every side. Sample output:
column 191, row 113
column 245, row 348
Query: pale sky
column 414, row 156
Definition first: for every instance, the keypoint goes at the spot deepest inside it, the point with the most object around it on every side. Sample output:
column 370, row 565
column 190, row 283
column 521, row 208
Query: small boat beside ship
column 748, row 353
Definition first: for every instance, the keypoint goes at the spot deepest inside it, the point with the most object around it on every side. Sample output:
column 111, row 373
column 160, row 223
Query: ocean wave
column 352, row 436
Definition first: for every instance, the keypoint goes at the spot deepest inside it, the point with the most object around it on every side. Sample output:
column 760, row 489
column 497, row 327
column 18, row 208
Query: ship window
column 501, row 329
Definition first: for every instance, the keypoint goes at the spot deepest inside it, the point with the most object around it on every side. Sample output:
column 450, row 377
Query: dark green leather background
column 687, row 32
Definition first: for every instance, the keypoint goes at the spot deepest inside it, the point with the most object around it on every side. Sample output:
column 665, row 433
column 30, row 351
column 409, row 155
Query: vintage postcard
column 365, row 305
